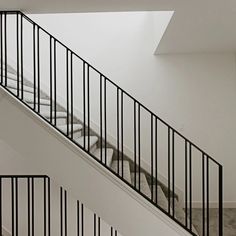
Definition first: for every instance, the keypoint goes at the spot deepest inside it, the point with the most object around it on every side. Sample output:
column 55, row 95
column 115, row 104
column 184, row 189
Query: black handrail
column 14, row 183
column 138, row 108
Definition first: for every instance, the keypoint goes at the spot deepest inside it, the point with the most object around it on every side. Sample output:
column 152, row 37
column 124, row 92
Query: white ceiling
column 60, row 6
column 197, row 26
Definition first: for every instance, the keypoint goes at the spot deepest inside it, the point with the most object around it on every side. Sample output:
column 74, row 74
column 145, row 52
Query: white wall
column 195, row 93
column 12, row 163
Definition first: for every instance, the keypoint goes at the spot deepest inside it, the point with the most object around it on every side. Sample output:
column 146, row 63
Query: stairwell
column 129, row 169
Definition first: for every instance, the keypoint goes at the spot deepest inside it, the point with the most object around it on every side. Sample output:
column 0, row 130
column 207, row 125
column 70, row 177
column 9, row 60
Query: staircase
column 96, row 142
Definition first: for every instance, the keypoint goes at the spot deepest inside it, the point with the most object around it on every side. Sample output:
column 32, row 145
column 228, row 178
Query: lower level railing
column 33, row 205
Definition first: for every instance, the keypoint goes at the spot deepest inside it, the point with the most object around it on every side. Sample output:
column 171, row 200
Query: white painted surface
column 74, row 169
column 195, row 93
column 12, row 163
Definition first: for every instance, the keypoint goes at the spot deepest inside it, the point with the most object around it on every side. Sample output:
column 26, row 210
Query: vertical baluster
column 78, row 219
column 169, row 170
column 105, row 117
column 139, row 149
column 67, row 92
column 203, row 194
column 95, row 224
column 5, row 36
column 28, row 205
column 61, row 210
column 99, row 226
column 32, row 202
column 220, row 200
column 22, row 54
column 71, row 84
column 50, row 55
column 156, row 158
column 16, row 207
column 12, row 207
column 152, row 175
column 186, row 183
column 34, row 66
column 88, row 101
column 118, row 131
column 44, row 207
column 65, row 212
column 173, row 172
column 101, row 117
column 135, row 146
column 38, row 67
column 122, row 135
column 17, row 54
column 190, row 186
column 1, row 29
column 84, row 105
column 1, row 45
column 207, row 196
column 82, row 220
column 55, row 83
column 111, row 231
column 115, row 232
column 49, row 208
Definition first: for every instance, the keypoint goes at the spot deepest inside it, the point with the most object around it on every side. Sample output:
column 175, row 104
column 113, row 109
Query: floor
column 229, row 218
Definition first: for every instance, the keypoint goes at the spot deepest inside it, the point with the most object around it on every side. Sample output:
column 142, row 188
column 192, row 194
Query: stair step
column 9, row 68
column 30, row 100
column 162, row 201
column 144, row 187
column 77, row 130
column 126, row 169
column 61, row 117
column 12, row 84
column 93, row 142
column 59, row 114
column 180, row 213
column 10, row 76
column 14, row 90
column 76, row 127
column 110, row 151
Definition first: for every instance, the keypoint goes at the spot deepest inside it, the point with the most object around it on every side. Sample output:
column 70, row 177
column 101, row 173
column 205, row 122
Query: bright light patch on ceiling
column 161, row 20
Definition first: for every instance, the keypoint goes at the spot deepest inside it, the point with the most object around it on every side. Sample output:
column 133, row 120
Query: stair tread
column 10, row 75
column 161, row 197
column 97, row 154
column 26, row 87
column 180, row 213
column 144, row 187
column 93, row 140
column 126, row 169
column 43, row 101
column 14, row 90
column 76, row 127
column 59, row 114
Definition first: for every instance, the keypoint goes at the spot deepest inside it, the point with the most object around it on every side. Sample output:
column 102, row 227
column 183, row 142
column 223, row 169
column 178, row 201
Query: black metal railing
column 30, row 205
column 121, row 122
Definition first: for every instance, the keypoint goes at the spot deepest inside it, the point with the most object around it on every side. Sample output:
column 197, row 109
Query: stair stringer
column 48, row 150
